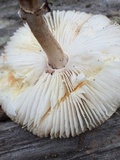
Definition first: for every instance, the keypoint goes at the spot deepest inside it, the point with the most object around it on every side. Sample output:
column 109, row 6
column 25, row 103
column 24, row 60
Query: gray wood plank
column 100, row 143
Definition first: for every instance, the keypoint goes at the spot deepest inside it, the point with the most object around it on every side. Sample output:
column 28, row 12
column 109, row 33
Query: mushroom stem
column 31, row 13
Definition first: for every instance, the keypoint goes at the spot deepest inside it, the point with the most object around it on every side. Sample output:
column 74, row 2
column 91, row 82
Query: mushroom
column 60, row 73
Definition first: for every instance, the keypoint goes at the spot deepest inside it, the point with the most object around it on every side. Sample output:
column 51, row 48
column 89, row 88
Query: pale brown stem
column 31, row 12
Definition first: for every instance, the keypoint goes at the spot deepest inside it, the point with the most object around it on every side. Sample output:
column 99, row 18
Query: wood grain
column 102, row 143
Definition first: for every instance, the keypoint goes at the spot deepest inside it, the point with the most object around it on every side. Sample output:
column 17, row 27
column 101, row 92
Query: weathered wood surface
column 102, row 143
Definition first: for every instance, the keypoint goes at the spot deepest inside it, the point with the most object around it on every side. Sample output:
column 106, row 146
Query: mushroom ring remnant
column 68, row 101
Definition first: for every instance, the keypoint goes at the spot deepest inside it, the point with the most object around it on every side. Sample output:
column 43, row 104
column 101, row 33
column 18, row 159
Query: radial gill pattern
column 70, row 100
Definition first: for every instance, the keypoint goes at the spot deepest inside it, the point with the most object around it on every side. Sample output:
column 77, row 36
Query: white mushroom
column 70, row 99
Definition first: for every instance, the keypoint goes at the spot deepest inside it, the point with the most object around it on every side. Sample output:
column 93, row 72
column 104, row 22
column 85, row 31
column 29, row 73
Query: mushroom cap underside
column 70, row 100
